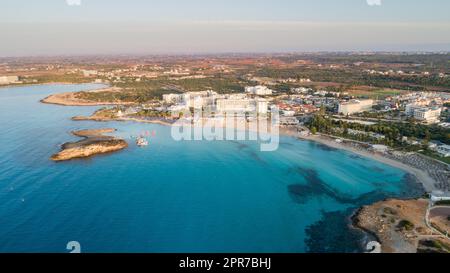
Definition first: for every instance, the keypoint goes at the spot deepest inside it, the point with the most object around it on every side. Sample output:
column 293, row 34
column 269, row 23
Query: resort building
column 199, row 99
column 289, row 121
column 192, row 99
column 242, row 105
column 9, row 79
column 425, row 114
column 259, row 90
column 262, row 106
column 89, row 73
column 172, row 98
column 443, row 150
column 355, row 106
column 234, row 105
column 428, row 115
column 438, row 196
column 380, row 148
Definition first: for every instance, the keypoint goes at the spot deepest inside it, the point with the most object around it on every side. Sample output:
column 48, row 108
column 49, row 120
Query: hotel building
column 355, row 106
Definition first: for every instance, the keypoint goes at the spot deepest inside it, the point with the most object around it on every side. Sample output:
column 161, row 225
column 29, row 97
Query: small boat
column 141, row 142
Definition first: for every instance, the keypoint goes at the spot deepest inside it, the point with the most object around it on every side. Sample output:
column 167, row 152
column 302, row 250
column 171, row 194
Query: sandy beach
column 424, row 177
column 427, row 182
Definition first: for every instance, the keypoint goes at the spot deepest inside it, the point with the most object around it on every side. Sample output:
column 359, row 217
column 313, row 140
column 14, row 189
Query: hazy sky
column 48, row 27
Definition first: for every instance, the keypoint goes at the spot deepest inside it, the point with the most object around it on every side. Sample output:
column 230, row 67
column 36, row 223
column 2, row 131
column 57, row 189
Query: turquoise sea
column 175, row 196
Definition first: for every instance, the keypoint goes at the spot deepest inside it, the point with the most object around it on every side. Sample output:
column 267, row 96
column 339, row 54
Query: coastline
column 66, row 99
column 400, row 226
column 69, row 98
column 44, row 84
column 425, row 179
column 428, row 183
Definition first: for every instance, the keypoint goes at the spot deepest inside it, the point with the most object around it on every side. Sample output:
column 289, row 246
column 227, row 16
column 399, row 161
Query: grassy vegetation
column 385, row 84
column 436, row 156
column 151, row 89
column 106, row 112
column 375, row 93
column 218, row 84
column 66, row 78
column 437, row 246
column 443, row 203
column 393, row 132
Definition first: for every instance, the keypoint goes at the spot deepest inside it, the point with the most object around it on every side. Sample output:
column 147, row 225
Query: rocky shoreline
column 94, row 143
column 399, row 226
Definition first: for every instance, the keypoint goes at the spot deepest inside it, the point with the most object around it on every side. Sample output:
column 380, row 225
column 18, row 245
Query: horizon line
column 224, row 53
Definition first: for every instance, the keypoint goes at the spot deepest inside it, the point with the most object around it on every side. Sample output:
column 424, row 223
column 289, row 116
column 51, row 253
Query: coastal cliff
column 94, row 143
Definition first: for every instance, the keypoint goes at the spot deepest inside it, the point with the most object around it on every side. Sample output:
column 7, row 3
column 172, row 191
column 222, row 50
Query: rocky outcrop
column 94, row 143
column 398, row 225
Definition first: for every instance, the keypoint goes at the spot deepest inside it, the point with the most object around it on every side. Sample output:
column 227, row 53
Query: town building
column 259, row 90
column 9, row 79
column 355, row 106
column 438, row 196
column 192, row 99
column 443, row 150
column 289, row 121
column 89, row 73
column 258, row 105
column 199, row 99
column 172, row 98
column 425, row 114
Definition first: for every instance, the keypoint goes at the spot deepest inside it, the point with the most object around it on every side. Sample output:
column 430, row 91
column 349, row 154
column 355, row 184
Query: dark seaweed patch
column 411, row 187
column 332, row 235
column 355, row 156
column 315, row 187
column 325, row 147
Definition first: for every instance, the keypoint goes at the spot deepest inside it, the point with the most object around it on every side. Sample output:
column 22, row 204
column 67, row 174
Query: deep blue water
column 174, row 196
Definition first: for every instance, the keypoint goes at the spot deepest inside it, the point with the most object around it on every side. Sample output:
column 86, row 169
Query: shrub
column 405, row 225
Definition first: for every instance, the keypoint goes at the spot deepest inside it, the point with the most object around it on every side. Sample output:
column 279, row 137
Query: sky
column 78, row 27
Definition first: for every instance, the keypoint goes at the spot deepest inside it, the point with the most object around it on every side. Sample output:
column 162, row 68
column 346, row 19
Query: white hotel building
column 355, row 106
column 258, row 105
column 425, row 114
column 237, row 103
column 9, row 79
column 259, row 90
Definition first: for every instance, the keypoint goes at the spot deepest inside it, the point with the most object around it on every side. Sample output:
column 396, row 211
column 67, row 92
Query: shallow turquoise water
column 174, row 196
